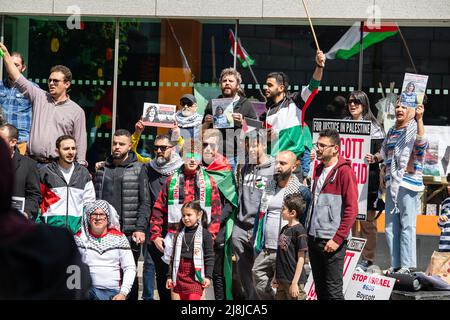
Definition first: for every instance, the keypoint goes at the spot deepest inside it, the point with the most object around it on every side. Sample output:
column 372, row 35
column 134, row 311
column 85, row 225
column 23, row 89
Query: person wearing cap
column 189, row 122
column 188, row 126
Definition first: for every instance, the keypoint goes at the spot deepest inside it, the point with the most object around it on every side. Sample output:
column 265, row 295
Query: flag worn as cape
column 223, row 176
column 348, row 45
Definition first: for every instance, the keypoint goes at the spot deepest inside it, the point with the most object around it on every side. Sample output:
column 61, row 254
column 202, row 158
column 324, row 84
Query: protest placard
column 352, row 254
column 222, row 110
column 364, row 286
column 158, row 115
column 259, row 107
column 355, row 144
column 413, row 89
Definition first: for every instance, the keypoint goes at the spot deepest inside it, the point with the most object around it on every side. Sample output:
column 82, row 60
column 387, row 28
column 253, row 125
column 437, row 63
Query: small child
column 290, row 277
column 444, row 223
column 192, row 263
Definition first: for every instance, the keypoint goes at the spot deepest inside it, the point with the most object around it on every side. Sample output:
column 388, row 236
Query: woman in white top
column 106, row 251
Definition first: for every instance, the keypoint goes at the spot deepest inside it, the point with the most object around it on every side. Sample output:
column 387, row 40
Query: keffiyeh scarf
column 112, row 240
column 169, row 168
column 194, row 120
column 197, row 255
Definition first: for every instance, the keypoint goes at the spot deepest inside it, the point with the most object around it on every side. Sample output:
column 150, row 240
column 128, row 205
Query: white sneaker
column 391, row 270
column 404, row 270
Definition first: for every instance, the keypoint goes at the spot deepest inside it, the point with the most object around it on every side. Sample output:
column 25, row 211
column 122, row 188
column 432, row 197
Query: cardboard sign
column 354, row 249
column 355, row 144
column 159, row 115
column 222, row 110
column 413, row 90
column 364, row 286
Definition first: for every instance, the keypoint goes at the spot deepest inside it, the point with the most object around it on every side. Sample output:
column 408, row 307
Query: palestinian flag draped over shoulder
column 223, row 176
column 288, row 123
column 348, row 45
column 241, row 54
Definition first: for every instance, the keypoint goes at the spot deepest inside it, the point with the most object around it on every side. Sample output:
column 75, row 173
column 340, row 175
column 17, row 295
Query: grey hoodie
column 253, row 181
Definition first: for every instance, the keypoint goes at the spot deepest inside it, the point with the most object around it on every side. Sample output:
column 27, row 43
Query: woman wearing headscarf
column 106, row 251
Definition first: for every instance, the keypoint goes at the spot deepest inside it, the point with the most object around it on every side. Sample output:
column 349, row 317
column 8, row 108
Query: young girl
column 192, row 262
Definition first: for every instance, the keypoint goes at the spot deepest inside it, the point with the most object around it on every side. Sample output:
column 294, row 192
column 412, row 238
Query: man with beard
column 218, row 168
column 122, row 181
column 165, row 163
column 268, row 223
column 65, row 187
column 188, row 121
column 285, row 115
column 230, row 81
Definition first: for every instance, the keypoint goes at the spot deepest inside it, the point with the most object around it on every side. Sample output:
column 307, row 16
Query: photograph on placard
column 222, row 113
column 413, row 89
column 158, row 115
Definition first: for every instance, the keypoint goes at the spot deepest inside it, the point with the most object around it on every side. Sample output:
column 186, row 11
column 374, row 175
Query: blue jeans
column 102, row 294
column 400, row 228
column 148, row 275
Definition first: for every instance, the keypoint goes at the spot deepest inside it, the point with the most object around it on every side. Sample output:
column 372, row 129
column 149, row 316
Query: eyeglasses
column 354, row 101
column 55, row 81
column 322, row 146
column 211, row 145
column 162, row 148
column 98, row 216
column 188, row 104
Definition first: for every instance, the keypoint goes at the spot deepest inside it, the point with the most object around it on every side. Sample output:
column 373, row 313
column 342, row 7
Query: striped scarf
column 176, row 195
column 400, row 158
column 197, row 255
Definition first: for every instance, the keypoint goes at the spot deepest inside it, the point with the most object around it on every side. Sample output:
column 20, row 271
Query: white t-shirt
column 321, row 180
column 274, row 219
column 67, row 173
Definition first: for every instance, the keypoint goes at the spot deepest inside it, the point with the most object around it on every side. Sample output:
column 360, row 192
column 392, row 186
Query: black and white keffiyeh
column 114, row 239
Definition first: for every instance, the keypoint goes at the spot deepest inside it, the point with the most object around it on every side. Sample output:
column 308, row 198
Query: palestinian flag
column 348, row 45
column 241, row 54
column 223, row 176
column 288, row 123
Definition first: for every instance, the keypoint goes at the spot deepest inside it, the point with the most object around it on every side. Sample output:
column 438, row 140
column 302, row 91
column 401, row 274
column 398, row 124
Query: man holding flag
column 285, row 114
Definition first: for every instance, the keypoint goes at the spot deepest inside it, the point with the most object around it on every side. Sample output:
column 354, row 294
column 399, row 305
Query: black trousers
column 327, row 268
column 161, row 270
column 136, row 249
column 218, row 278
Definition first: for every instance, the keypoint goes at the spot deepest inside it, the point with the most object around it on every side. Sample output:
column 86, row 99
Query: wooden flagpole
column 311, row 25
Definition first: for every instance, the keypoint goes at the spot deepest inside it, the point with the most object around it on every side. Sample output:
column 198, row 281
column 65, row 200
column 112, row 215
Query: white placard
column 355, row 144
column 364, row 286
column 159, row 115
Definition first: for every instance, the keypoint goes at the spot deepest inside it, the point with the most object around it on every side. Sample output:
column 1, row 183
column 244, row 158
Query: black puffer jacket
column 126, row 188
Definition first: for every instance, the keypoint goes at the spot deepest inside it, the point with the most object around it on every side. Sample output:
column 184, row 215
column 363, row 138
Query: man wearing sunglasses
column 164, row 164
column 122, row 181
column 54, row 113
column 188, row 120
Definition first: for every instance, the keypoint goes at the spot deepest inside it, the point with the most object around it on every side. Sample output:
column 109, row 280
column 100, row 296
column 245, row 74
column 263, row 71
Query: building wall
column 410, row 10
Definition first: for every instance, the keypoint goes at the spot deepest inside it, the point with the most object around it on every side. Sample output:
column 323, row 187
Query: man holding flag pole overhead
column 285, row 114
